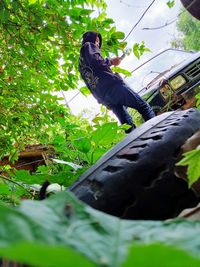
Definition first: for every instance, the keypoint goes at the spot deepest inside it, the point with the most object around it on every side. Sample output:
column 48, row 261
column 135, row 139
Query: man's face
column 97, row 42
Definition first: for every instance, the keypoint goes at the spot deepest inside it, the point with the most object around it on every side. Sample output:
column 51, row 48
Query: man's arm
column 93, row 56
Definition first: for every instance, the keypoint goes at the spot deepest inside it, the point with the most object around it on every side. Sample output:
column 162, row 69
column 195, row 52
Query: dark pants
column 119, row 97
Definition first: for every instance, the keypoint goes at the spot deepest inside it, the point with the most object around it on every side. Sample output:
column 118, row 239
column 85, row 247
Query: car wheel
column 135, row 179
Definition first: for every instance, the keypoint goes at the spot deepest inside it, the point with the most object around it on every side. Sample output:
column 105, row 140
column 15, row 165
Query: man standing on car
column 107, row 87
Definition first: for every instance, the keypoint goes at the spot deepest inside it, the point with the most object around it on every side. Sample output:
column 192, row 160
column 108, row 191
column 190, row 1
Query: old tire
column 135, row 179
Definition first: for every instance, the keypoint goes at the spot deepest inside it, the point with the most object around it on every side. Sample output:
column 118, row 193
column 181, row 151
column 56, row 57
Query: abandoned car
column 170, row 80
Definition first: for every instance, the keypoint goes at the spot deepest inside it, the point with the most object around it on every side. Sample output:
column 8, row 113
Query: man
column 107, row 87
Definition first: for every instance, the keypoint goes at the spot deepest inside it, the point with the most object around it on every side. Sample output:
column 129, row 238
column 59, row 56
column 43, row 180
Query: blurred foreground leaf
column 61, row 222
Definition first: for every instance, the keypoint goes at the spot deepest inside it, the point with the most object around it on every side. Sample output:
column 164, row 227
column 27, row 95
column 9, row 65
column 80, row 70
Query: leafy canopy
column 188, row 37
column 39, row 50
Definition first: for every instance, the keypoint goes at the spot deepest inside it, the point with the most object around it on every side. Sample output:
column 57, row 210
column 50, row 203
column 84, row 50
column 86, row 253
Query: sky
column 126, row 14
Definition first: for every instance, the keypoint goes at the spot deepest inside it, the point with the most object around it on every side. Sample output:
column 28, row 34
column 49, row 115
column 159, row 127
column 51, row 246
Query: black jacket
column 94, row 69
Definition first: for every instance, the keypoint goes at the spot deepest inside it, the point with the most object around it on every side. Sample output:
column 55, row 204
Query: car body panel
column 159, row 92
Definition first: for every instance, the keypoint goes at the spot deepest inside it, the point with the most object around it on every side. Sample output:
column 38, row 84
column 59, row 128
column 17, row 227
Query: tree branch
column 168, row 23
column 129, row 5
column 139, row 20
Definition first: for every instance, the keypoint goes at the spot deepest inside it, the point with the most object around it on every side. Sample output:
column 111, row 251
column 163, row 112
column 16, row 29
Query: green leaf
column 123, row 71
column 83, row 144
column 156, row 255
column 198, row 100
column 32, row 1
column 136, row 50
column 108, row 21
column 143, row 49
column 4, row 189
column 105, row 134
column 25, row 177
column 97, row 153
column 192, row 159
column 139, row 49
column 117, row 35
column 171, row 3
column 61, row 221
column 85, row 11
column 44, row 255
column 13, row 156
column 85, row 91
column 4, row 15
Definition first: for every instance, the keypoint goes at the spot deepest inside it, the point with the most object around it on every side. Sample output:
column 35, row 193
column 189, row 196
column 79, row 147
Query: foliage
column 40, row 43
column 60, row 223
column 123, row 71
column 139, row 49
column 189, row 33
column 93, row 141
column 192, row 159
column 137, row 117
column 171, row 3
column 198, row 100
column 75, row 152
column 13, row 190
column 152, row 255
column 45, row 255
column 83, row 145
column 42, row 40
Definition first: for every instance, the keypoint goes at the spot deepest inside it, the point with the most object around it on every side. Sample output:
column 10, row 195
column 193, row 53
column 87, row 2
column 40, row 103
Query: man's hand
column 116, row 61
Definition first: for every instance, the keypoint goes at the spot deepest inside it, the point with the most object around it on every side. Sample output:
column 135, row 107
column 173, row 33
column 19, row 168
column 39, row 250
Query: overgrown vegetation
column 188, row 37
column 74, row 153
column 40, row 42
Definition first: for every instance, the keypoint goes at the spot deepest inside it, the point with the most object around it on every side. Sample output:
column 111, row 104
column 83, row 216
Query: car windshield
column 156, row 68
